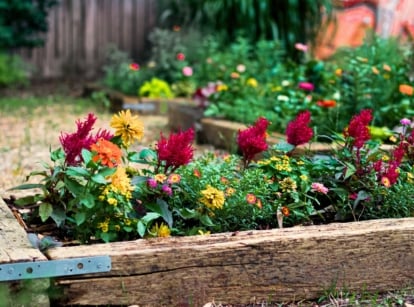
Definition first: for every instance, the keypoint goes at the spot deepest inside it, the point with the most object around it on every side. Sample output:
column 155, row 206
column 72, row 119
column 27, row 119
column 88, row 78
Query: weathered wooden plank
column 286, row 264
column 14, row 244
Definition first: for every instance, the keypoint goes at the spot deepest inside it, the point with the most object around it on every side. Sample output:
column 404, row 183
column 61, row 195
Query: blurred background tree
column 22, row 22
column 290, row 21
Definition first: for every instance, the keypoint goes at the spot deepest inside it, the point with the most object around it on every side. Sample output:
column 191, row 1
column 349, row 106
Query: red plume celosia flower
column 298, row 131
column 358, row 128
column 175, row 151
column 252, row 140
column 73, row 143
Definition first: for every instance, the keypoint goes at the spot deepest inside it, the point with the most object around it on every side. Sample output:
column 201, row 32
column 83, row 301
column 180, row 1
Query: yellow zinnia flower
column 212, row 198
column 129, row 127
column 161, row 231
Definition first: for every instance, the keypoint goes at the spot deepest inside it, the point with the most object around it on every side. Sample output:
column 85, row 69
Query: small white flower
column 283, row 98
column 285, row 83
column 336, row 96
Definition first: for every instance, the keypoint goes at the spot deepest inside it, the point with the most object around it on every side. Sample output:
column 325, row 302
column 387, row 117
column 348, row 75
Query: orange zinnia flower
column 251, row 198
column 285, row 211
column 326, row 103
column 107, row 152
column 406, row 89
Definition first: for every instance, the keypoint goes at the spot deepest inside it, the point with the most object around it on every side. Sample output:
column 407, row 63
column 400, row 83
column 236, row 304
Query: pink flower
column 405, row 122
column 306, row 86
column 358, row 128
column 301, row 47
column 175, row 151
column 73, row 143
column 152, row 183
column 187, row 71
column 134, row 66
column 252, row 140
column 297, row 131
column 167, row 190
column 180, row 56
column 319, row 187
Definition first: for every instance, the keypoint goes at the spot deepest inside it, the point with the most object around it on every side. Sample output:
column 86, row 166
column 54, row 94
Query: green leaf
column 45, row 211
column 107, row 171
column 141, row 228
column 98, row 178
column 205, row 220
column 59, row 216
column 80, row 218
column 86, row 156
column 150, row 216
column 77, row 171
column 283, row 147
column 147, row 155
column 186, row 213
column 88, row 200
column 27, row 186
column 27, row 200
column 73, row 186
column 161, row 207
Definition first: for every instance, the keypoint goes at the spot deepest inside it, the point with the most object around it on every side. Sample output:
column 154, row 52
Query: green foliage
column 13, row 71
column 288, row 21
column 371, row 76
column 155, row 88
column 23, row 22
column 118, row 74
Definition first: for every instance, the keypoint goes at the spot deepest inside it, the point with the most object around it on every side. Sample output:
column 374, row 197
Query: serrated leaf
column 45, row 210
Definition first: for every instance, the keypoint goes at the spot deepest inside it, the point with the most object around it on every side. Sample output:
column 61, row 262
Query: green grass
column 28, row 105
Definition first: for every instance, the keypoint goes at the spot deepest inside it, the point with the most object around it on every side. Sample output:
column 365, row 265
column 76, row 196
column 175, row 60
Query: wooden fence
column 80, row 32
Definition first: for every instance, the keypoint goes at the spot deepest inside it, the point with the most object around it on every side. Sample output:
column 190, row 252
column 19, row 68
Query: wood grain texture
column 270, row 265
column 81, row 31
column 14, row 245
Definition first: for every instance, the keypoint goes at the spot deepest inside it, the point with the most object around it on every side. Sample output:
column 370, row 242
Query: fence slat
column 80, row 32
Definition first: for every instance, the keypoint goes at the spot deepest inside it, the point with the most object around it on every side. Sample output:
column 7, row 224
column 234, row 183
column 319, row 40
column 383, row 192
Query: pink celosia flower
column 319, row 187
column 306, row 86
column 175, row 151
column 297, row 131
column 252, row 140
column 358, row 128
column 187, row 71
column 73, row 143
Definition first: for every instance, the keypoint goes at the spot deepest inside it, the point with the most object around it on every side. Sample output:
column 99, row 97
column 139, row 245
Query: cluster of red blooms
column 358, row 128
column 252, row 140
column 175, row 151
column 298, row 131
column 73, row 143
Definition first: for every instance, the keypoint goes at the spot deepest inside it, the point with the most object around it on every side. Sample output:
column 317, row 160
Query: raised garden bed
column 287, row 264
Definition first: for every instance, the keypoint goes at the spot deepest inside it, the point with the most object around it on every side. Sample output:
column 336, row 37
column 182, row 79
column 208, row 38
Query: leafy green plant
column 13, row 71
column 23, row 22
column 93, row 189
column 256, row 20
column 155, row 88
column 122, row 74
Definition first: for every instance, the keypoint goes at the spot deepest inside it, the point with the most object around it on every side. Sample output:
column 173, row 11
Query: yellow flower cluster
column 279, row 163
column 212, row 198
column 288, row 185
column 104, row 226
column 161, row 230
